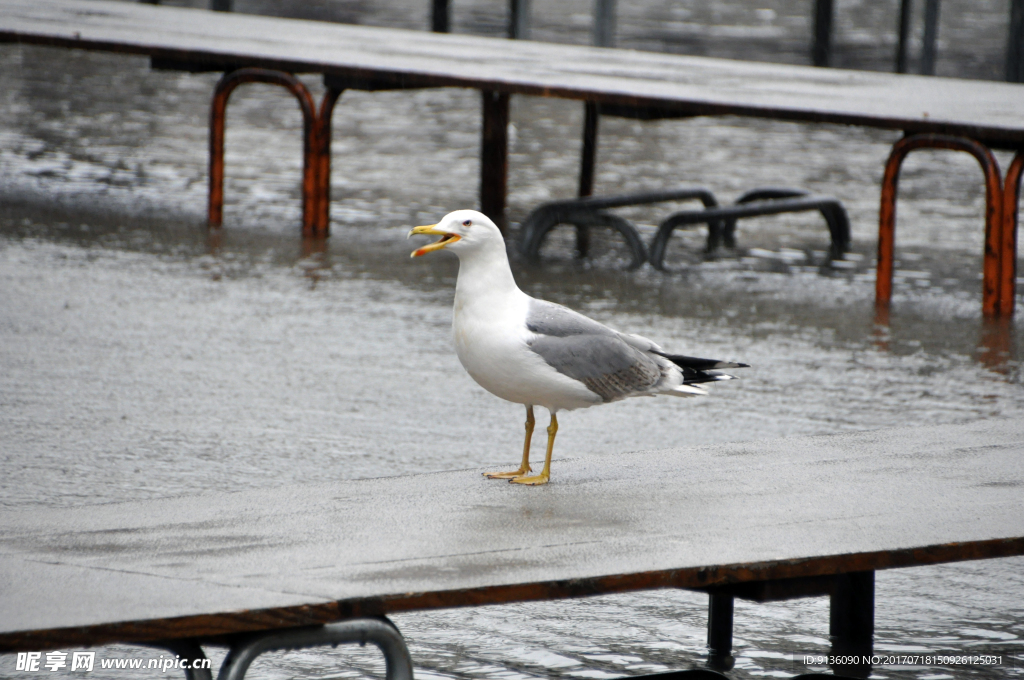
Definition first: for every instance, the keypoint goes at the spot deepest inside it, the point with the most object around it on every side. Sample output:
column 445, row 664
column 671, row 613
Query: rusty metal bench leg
column 852, row 622
column 993, row 214
column 379, row 632
column 720, row 609
column 218, row 109
column 1008, row 250
column 494, row 157
column 322, row 222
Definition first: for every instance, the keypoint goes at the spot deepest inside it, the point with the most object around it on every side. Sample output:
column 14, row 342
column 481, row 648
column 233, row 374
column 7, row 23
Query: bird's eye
column 468, row 223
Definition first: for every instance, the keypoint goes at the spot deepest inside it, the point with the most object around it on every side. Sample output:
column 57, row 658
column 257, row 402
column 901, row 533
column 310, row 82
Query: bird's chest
column 490, row 346
column 482, row 338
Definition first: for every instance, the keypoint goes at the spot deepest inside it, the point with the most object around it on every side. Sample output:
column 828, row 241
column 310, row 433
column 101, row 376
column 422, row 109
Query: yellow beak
column 445, row 239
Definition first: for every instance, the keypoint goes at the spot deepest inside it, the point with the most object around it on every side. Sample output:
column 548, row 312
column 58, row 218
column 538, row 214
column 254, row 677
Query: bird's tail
column 697, row 370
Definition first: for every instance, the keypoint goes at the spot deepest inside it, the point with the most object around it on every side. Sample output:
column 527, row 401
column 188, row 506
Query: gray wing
column 592, row 353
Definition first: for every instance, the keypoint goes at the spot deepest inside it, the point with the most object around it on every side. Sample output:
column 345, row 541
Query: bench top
column 379, row 57
column 204, row 566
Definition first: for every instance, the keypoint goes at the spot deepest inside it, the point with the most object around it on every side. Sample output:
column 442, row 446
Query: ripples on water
column 168, row 363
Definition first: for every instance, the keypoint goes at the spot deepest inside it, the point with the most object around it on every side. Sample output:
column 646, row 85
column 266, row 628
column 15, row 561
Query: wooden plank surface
column 987, row 111
column 214, row 564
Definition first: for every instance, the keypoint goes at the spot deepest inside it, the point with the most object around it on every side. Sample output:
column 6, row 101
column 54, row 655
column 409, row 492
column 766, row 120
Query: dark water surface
column 141, row 358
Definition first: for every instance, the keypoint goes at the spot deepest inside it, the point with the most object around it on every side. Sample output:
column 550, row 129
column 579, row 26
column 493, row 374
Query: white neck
column 485, row 279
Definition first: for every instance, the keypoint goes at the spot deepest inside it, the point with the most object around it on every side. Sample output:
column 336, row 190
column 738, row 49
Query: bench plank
column 691, row 518
column 986, row 111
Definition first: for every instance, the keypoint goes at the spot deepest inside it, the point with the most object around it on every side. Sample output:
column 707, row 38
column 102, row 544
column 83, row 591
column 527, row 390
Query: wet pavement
column 143, row 358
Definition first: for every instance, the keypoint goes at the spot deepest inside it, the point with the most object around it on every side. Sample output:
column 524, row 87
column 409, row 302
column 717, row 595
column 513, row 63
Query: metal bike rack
column 996, row 222
column 721, row 221
column 379, row 632
column 310, row 149
column 590, row 211
column 316, row 172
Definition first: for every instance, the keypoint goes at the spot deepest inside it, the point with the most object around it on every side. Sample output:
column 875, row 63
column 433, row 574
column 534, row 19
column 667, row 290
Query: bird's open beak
column 445, row 239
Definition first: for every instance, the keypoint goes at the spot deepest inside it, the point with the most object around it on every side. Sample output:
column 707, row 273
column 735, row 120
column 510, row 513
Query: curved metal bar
column 830, row 208
column 541, row 222
column 728, row 235
column 379, row 632
column 993, row 214
column 1008, row 249
column 322, row 221
column 546, row 217
column 621, row 225
column 218, row 109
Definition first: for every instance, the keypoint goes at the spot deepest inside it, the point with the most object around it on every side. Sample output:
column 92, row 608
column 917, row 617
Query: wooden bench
column 969, row 116
column 765, row 520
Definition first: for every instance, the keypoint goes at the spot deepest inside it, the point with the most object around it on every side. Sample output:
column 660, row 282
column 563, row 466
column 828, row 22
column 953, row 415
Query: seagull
column 538, row 353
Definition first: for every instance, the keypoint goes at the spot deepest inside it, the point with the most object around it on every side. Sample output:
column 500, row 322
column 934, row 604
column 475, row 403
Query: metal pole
column 852, row 622
column 322, row 221
column 720, row 608
column 604, row 23
column 931, row 34
column 494, row 157
column 821, row 51
column 439, row 17
column 589, row 151
column 1015, row 43
column 519, row 19
column 588, row 156
column 1008, row 266
column 906, row 19
column 604, row 36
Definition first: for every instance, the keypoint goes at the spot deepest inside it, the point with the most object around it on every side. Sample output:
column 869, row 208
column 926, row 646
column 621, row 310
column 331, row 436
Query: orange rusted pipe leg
column 993, row 214
column 1008, row 251
column 990, row 302
column 322, row 225
column 215, row 206
column 887, row 226
column 310, row 186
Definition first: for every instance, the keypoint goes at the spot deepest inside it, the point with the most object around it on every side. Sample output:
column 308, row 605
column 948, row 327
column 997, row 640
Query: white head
column 462, row 232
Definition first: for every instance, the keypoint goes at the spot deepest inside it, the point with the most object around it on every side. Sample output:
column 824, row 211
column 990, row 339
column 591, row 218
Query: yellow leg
column 545, row 474
column 525, row 467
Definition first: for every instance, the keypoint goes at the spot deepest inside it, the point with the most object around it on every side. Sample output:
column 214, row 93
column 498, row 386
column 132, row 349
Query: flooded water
column 140, row 357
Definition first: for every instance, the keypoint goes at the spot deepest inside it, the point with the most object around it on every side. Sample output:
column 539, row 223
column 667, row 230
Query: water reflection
column 996, row 346
column 315, row 261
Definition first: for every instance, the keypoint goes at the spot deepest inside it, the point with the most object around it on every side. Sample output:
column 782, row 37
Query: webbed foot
column 533, row 480
column 508, row 474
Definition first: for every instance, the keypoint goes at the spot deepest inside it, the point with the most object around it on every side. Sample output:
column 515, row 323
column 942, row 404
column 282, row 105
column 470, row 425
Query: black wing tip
column 699, row 364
